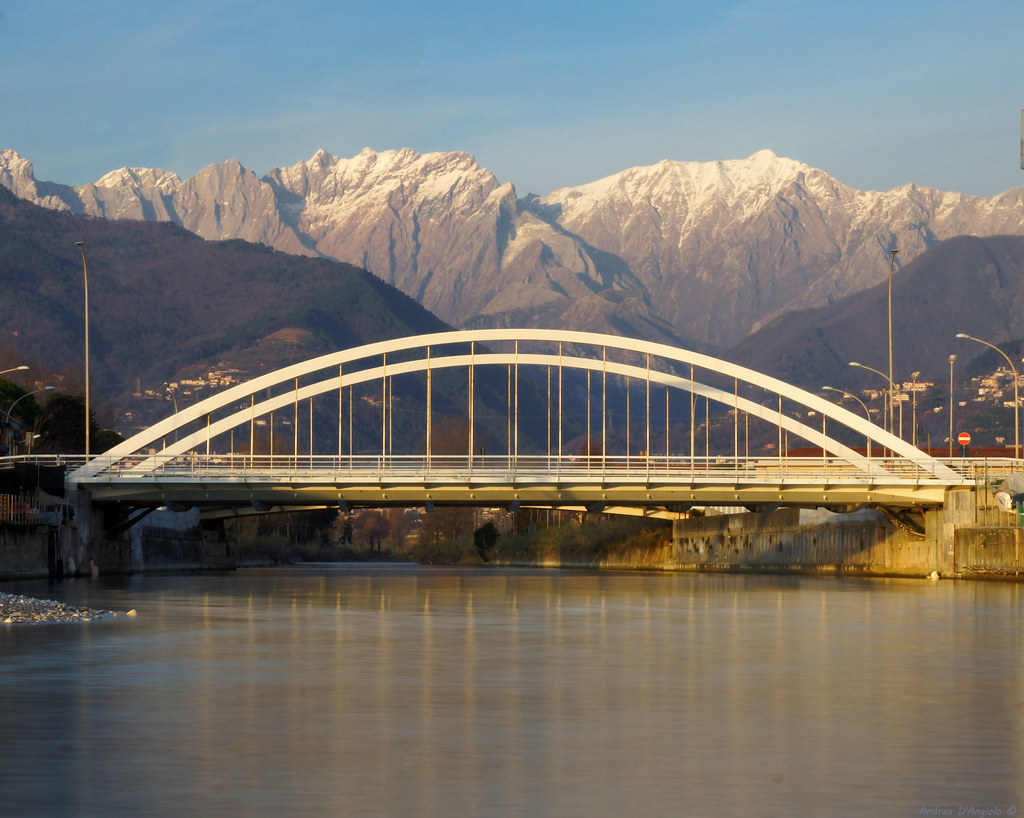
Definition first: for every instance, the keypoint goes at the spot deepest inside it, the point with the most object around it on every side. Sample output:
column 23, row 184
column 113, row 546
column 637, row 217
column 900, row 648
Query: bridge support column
column 86, row 530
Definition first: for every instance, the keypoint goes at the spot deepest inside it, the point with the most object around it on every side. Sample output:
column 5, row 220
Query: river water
column 368, row 690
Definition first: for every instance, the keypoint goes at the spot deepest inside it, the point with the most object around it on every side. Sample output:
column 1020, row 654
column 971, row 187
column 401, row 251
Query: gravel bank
column 26, row 610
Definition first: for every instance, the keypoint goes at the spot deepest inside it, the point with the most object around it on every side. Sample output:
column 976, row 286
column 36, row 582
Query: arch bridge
column 590, row 422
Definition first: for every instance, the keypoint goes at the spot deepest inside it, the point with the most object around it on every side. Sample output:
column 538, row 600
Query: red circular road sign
column 964, row 439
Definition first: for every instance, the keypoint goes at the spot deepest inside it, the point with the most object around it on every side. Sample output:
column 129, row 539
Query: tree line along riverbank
column 587, row 540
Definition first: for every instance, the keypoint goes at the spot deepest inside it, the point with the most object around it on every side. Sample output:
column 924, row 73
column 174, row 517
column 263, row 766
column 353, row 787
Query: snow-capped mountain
column 725, row 246
column 438, row 227
column 697, row 252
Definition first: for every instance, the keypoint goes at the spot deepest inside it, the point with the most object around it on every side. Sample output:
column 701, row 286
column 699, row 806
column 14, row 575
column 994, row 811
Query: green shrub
column 446, row 552
column 595, row 538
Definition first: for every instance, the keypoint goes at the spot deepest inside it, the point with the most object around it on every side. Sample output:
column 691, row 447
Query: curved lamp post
column 1016, row 396
column 21, row 368
column 864, row 406
column 85, row 276
column 952, row 360
column 888, row 379
column 10, row 411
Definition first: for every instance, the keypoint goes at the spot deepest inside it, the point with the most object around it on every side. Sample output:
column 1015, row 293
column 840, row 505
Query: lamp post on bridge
column 892, row 418
column 85, row 276
column 913, row 390
column 1016, row 395
column 886, row 405
column 952, row 360
column 867, row 411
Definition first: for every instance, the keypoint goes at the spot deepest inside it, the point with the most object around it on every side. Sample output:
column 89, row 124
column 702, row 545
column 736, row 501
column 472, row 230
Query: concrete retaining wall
column 164, row 541
column 864, row 542
column 969, row 536
column 25, row 551
column 991, row 552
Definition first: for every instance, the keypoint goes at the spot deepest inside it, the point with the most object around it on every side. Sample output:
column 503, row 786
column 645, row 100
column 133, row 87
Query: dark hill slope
column 161, row 299
column 966, row 284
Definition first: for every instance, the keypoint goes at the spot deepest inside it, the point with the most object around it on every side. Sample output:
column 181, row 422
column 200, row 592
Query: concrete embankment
column 165, row 541
column 970, row 537
column 865, row 543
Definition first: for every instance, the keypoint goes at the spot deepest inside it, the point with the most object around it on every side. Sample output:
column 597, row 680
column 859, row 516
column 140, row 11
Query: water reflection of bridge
column 208, row 455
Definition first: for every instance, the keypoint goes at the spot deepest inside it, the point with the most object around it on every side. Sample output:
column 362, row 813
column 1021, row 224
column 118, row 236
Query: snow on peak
column 136, row 178
column 330, row 186
column 10, row 158
column 689, row 186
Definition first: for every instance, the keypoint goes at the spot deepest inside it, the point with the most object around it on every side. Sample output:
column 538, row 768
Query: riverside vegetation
column 447, row 537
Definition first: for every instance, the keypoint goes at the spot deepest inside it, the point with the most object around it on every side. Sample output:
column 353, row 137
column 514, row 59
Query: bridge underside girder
column 232, row 498
column 654, row 512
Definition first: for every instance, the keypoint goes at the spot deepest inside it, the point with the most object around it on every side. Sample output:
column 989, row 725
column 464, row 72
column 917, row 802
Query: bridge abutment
column 968, row 536
column 808, row 540
column 164, row 541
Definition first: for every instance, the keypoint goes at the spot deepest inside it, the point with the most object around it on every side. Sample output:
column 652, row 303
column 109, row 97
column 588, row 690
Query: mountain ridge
column 692, row 253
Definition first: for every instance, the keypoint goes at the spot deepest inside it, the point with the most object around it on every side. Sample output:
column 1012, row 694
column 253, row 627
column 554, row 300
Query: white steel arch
column 127, row 454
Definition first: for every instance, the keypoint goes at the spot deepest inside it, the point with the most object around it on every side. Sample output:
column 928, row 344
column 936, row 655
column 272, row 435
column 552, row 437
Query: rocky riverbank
column 26, row 610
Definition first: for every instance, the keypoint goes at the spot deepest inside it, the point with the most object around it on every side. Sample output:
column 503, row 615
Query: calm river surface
column 367, row 690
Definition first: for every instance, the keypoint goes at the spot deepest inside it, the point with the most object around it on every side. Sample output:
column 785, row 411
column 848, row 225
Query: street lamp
column 913, row 379
column 21, row 368
column 1016, row 397
column 10, row 411
column 33, row 392
column 889, row 379
column 892, row 419
column 85, row 276
column 863, row 405
column 952, row 359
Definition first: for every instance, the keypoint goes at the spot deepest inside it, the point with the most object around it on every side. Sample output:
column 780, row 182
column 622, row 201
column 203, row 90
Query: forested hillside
column 165, row 304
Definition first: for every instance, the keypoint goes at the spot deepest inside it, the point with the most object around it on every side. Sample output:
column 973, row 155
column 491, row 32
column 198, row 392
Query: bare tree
column 372, row 526
column 398, row 527
column 450, row 437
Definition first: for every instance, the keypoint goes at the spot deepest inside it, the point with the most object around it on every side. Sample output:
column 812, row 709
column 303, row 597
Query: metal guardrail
column 533, row 468
column 68, row 461
column 523, row 470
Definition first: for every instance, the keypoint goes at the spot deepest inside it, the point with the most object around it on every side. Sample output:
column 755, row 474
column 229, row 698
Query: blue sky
column 543, row 94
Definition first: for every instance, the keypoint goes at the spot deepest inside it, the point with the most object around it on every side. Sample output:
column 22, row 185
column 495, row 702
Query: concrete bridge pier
column 100, row 540
column 85, row 530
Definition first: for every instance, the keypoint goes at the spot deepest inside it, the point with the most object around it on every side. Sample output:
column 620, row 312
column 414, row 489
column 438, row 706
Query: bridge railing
column 65, row 461
column 745, row 468
column 539, row 468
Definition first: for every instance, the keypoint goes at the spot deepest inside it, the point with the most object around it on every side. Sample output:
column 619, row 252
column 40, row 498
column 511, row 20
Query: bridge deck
column 593, row 482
